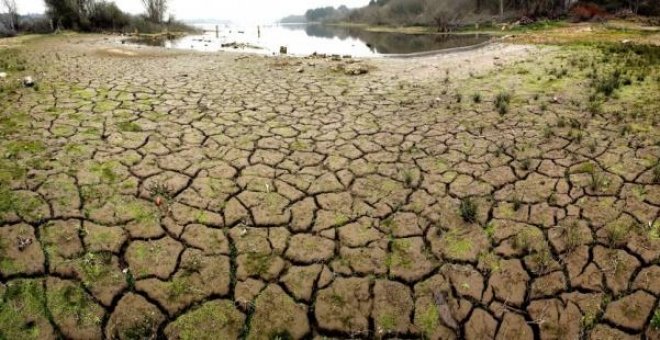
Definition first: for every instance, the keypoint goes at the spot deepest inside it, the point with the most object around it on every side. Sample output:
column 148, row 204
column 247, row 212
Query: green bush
column 107, row 16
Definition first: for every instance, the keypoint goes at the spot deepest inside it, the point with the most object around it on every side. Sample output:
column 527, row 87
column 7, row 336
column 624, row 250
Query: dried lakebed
column 507, row 192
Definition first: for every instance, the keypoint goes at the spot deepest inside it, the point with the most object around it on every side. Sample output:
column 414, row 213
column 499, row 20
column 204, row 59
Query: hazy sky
column 234, row 10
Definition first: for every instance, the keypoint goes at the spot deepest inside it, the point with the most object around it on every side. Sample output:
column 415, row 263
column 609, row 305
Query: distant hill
column 208, row 21
column 293, row 19
column 320, row 14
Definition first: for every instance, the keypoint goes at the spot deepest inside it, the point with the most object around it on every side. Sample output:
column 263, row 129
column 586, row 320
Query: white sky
column 242, row 11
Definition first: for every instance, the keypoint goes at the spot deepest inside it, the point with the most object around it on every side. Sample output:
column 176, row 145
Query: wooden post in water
column 217, row 31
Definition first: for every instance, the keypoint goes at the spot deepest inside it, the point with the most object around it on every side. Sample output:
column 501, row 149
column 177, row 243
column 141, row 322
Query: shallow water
column 303, row 39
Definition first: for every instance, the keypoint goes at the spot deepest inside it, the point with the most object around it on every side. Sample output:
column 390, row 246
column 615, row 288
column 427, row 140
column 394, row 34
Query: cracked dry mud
column 185, row 195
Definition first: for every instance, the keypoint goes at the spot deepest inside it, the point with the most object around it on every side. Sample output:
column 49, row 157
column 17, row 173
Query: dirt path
column 188, row 195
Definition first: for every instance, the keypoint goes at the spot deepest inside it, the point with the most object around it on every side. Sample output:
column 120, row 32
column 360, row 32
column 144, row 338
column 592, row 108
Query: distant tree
column 12, row 13
column 107, row 16
column 73, row 14
column 446, row 15
column 155, row 9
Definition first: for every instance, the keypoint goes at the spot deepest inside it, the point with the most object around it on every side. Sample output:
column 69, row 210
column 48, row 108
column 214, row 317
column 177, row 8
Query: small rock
column 300, row 70
column 3, row 75
column 28, row 81
column 356, row 70
column 23, row 242
column 444, row 311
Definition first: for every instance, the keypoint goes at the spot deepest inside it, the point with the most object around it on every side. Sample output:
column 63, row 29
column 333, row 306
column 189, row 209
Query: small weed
column 517, row 203
column 625, row 130
column 547, row 132
column 542, row 257
column 654, row 230
column 595, row 107
column 589, row 320
column 592, row 147
column 526, row 164
column 468, row 210
column 408, row 178
column 656, row 173
column 616, row 233
column 457, row 246
column 143, row 329
column 178, row 287
column 280, row 335
column 337, row 300
column 526, row 239
column 429, row 320
column 502, row 102
column 258, row 263
column 655, row 320
column 608, row 84
column 575, row 124
column 490, row 261
column 106, row 172
column 130, row 280
column 160, row 190
column 573, row 236
column 576, row 136
column 387, row 322
column 476, row 98
column 598, row 181
column 561, row 122
column 94, row 266
column 490, row 230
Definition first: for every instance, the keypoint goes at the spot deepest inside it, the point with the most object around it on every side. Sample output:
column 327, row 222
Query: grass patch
column 399, row 256
column 23, row 310
column 428, row 320
column 129, row 127
column 387, row 322
column 71, row 301
column 94, row 266
column 258, row 263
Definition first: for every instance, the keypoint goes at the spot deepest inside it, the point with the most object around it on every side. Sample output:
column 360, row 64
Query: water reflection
column 304, row 39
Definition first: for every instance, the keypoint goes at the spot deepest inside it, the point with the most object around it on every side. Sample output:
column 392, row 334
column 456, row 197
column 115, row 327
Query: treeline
column 326, row 14
column 93, row 16
column 447, row 14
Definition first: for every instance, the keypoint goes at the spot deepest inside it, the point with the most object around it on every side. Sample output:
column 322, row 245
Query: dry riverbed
column 508, row 192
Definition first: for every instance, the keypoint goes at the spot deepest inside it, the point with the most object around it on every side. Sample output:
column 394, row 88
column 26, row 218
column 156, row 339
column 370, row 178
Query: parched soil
column 509, row 192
